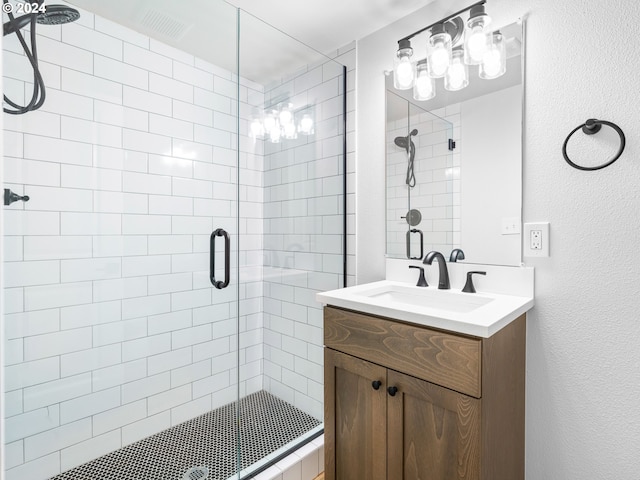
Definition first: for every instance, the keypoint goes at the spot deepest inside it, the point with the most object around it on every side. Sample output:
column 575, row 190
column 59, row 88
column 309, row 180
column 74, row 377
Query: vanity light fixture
column 457, row 76
column 281, row 122
column 452, row 45
column 403, row 67
column 476, row 38
column 424, row 87
column 438, row 51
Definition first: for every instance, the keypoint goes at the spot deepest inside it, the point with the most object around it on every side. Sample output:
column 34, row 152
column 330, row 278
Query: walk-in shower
column 186, row 177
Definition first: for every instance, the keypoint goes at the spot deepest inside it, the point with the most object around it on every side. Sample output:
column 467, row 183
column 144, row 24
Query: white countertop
column 479, row 314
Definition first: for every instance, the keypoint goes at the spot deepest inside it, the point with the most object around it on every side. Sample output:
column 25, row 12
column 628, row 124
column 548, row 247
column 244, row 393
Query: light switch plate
column 536, row 239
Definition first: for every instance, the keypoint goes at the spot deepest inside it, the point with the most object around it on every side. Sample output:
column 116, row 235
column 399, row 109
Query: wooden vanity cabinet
column 406, row 402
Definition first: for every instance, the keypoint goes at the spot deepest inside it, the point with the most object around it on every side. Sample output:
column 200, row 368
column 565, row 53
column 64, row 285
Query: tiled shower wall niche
column 113, row 329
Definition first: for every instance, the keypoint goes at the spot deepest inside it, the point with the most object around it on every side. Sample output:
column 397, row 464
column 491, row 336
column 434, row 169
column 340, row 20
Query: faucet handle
column 468, row 287
column 422, row 282
column 456, row 254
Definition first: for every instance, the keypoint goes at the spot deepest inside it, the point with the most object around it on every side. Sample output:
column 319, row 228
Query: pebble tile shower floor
column 266, row 424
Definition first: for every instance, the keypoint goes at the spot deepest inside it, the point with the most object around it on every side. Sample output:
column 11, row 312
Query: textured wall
column 583, row 361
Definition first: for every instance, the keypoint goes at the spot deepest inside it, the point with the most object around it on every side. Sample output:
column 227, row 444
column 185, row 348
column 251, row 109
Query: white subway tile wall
column 107, row 263
column 303, row 248
column 114, row 331
column 437, row 192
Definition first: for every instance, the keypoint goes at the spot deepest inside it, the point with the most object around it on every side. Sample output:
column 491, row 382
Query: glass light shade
column 275, row 134
column 306, row 124
column 403, row 69
column 289, row 131
column 285, row 116
column 457, row 76
column 424, row 86
column 476, row 36
column 494, row 60
column 269, row 121
column 438, row 52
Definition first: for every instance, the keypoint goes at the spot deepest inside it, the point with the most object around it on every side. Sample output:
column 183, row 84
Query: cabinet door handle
column 392, row 391
column 376, row 384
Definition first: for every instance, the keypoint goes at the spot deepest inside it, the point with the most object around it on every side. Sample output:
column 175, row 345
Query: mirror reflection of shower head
column 44, row 15
column 403, row 142
column 410, row 148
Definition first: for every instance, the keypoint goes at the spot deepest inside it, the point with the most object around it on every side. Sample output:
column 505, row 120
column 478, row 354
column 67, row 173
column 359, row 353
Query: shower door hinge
column 452, row 144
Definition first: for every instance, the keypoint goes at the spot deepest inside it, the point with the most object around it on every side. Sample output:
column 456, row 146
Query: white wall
column 583, row 359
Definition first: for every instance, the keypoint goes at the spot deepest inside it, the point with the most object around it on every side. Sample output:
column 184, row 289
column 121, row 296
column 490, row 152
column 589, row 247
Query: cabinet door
column 355, row 418
column 434, row 432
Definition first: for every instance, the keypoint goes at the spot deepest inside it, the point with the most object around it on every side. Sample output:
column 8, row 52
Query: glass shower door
column 185, row 205
column 113, row 332
column 292, row 242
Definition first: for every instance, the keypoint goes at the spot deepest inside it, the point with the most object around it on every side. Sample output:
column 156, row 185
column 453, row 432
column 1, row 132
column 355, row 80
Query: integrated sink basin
column 477, row 314
column 446, row 300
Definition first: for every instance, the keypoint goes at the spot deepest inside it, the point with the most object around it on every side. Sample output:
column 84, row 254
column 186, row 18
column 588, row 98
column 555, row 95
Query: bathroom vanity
column 407, row 400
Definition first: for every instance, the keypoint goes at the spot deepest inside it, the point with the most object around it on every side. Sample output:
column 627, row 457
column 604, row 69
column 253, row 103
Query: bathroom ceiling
column 327, row 25
column 207, row 28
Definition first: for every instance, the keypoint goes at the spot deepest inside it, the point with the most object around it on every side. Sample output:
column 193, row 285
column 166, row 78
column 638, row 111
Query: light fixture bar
column 445, row 19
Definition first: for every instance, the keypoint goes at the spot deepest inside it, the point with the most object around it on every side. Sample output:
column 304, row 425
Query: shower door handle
column 212, row 263
column 409, row 232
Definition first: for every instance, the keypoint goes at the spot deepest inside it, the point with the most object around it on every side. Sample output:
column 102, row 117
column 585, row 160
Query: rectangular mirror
column 454, row 166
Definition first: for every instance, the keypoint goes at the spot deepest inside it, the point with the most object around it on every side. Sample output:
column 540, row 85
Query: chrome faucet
column 443, row 280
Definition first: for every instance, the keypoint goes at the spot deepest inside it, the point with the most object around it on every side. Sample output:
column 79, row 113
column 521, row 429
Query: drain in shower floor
column 196, row 473
column 209, row 441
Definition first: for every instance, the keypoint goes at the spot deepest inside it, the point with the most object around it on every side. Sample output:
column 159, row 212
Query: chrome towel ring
column 591, row 127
